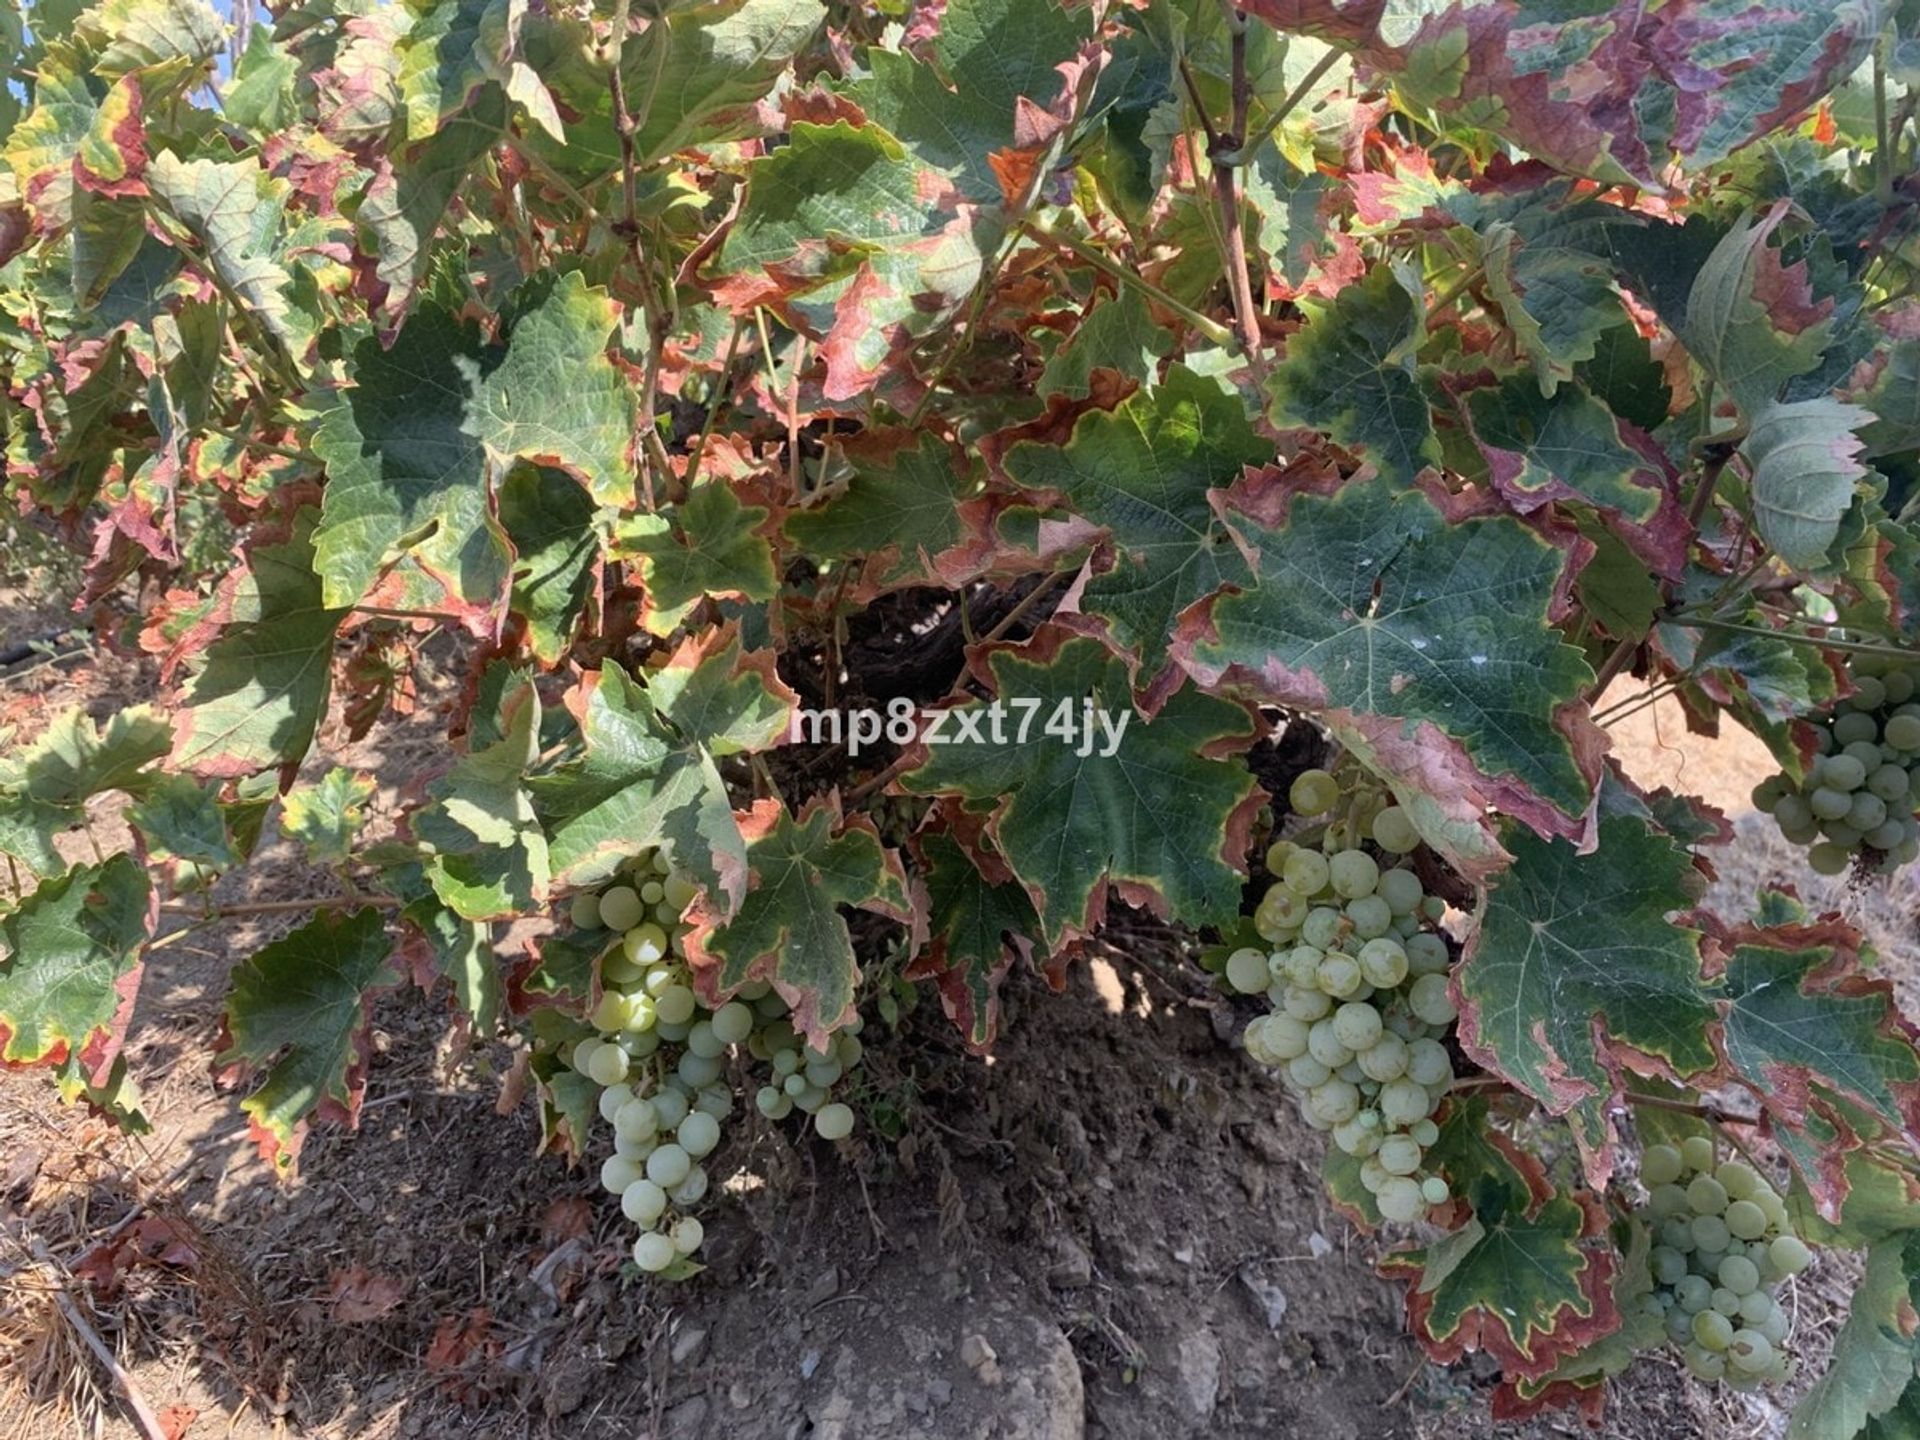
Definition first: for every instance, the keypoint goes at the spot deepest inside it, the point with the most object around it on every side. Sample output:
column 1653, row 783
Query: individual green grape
column 620, row 907
column 1697, row 1152
column 1402, row 1102
column 1393, row 830
column 1353, row 873
column 1669, row 1265
column 1339, row 975
column 1668, row 1201
column 1739, row 1274
column 1372, row 917
column 1712, row 1330
column 1402, row 891
column 732, row 1023
column 1399, row 1155
column 643, row 1202
column 1902, row 732
column 1705, row 1364
column 1746, row 1220
column 1385, row 1059
column 1710, row 1233
column 1313, row 792
column 1430, row 1000
column 1434, row 1190
column 1789, row 1254
column 1693, row 1294
column 1400, row 1200
column 688, row 1232
column 1750, row 1351
column 1306, row 872
column 1247, row 971
column 1428, row 1063
column 653, row 1252
column 1323, row 1044
column 1660, row 1165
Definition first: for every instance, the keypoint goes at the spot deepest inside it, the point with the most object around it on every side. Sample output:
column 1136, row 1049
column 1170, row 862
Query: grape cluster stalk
column 660, row 1057
column 1357, row 979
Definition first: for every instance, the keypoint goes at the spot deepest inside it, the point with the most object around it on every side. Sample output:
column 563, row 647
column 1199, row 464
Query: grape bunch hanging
column 1722, row 1246
column 1357, row 977
column 661, row 1058
column 1860, row 800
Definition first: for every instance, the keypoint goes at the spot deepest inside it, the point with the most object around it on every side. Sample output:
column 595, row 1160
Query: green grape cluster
column 660, row 1057
column 1861, row 796
column 1357, row 978
column 1722, row 1246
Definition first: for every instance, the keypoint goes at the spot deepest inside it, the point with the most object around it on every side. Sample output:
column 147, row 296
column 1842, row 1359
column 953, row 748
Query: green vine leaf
column 910, row 510
column 324, row 817
column 1420, row 628
column 1350, row 375
column 1802, row 456
column 260, row 685
column 979, row 924
column 488, row 857
column 788, row 930
column 301, row 1011
column 71, row 967
column 44, row 788
column 1151, row 812
column 1752, row 320
column 1144, row 472
column 550, row 522
column 708, row 545
column 416, row 445
column 1576, row 973
column 1873, row 1369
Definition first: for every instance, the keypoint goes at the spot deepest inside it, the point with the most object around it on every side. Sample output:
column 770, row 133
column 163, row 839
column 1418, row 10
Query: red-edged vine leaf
column 1762, row 681
column 453, row 50
column 301, row 1010
column 1143, row 472
column 637, row 782
column 44, row 788
column 1753, row 320
column 1354, row 22
column 1118, row 335
column 705, row 68
column 1802, row 457
column 996, row 68
column 1575, row 973
column 1349, row 374
column 853, row 243
column 324, row 817
column 1570, row 448
column 722, row 698
column 129, row 36
column 1420, row 627
column 1879, row 1197
column 414, row 447
column 979, row 923
column 1876, row 1352
column 1150, row 812
column 411, row 188
column 71, row 967
column 1616, row 94
column 1884, row 567
column 1527, row 1285
column 1887, row 382
column 1579, row 1380
column 906, row 510
column 489, row 856
column 260, row 684
column 232, row 215
column 1803, row 1023
column 788, row 930
column 708, row 544
column 549, row 519
column 44, row 141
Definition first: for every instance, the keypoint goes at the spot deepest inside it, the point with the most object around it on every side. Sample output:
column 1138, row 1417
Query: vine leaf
column 550, row 521
column 265, row 648
column 1570, row 448
column 130, row 36
column 646, row 775
column 1875, row 1354
column 911, row 509
column 1802, row 456
column 1528, row 1285
column 414, row 447
column 41, row 148
column 1803, row 1027
column 1118, row 335
column 1420, row 627
column 709, row 544
column 71, row 967
column 788, row 930
column 1350, row 375
column 994, row 64
column 301, row 1010
column 325, row 816
column 853, row 243
column 178, row 818
column 489, row 859
column 1576, row 973
column 1152, row 812
column 1143, row 472
column 44, row 788
column 1751, row 320
column 234, row 212
column 979, row 923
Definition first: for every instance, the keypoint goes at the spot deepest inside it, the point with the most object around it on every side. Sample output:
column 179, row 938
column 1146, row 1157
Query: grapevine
column 863, row 496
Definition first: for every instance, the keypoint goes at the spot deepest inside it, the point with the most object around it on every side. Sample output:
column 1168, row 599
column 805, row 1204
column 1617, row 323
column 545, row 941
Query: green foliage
column 1023, row 365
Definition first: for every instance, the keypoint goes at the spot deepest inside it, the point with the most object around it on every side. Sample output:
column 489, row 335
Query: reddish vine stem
column 1221, row 151
column 1610, row 669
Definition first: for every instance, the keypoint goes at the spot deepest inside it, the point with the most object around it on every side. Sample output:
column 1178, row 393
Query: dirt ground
column 1114, row 1228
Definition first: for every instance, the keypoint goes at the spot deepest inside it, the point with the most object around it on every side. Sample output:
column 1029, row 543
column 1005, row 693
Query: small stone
column 825, row 1287
column 1319, row 1246
column 739, row 1396
column 939, row 1391
column 1197, row 1373
column 688, row 1344
column 978, row 1356
column 688, row 1418
column 1268, row 1297
column 1184, row 1255
column 809, row 1363
column 1071, row 1266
